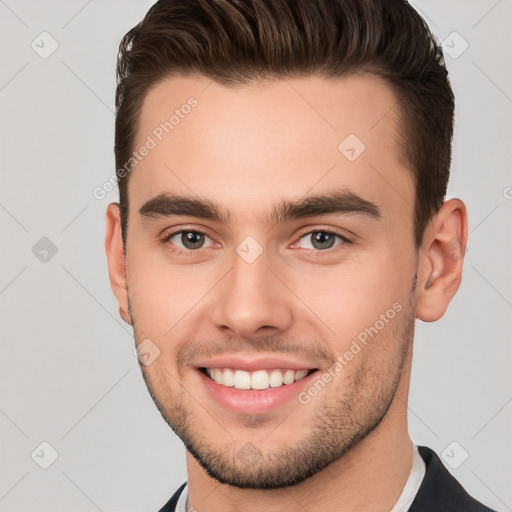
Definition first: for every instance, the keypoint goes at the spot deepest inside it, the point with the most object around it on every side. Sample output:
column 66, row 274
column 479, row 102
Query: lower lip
column 254, row 401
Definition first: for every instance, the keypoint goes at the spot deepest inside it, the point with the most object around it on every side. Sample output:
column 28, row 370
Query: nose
column 253, row 300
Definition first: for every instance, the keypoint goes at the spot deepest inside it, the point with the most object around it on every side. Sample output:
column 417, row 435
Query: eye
column 188, row 240
column 322, row 239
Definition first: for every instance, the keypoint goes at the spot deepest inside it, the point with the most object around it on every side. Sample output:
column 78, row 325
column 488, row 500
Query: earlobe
column 442, row 258
column 125, row 315
column 116, row 259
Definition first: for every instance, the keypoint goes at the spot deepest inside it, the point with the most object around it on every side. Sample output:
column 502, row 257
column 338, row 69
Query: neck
column 370, row 477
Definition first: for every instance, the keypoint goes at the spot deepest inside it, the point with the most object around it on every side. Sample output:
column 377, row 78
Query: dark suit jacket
column 439, row 491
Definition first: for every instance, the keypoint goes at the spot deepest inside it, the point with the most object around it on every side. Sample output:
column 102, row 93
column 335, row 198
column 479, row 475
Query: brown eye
column 187, row 240
column 192, row 239
column 322, row 239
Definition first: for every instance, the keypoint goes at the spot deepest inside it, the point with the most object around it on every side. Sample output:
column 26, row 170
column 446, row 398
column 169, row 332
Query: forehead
column 252, row 146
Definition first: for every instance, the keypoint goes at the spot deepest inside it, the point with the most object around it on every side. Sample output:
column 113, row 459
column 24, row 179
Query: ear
column 116, row 259
column 441, row 260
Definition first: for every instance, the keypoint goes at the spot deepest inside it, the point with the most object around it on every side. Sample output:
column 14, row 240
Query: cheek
column 358, row 303
column 352, row 295
column 165, row 296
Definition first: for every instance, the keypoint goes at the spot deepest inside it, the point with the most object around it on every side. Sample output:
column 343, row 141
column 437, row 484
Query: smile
column 258, row 380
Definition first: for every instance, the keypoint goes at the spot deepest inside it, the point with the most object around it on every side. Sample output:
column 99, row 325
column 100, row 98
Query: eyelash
column 310, row 252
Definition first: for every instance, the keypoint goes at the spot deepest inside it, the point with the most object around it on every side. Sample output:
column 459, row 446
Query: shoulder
column 170, row 506
column 440, row 491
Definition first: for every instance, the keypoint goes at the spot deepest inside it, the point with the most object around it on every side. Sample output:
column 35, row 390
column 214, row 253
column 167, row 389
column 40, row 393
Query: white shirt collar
column 181, row 506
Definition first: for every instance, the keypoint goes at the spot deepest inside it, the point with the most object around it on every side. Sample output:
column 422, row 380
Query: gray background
column 68, row 375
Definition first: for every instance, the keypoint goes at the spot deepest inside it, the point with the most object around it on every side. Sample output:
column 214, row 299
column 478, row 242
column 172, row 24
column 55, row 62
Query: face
column 270, row 262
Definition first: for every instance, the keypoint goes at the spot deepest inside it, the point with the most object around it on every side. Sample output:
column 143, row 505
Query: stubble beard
column 338, row 426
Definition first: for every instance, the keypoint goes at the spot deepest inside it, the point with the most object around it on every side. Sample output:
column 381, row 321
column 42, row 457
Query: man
column 282, row 222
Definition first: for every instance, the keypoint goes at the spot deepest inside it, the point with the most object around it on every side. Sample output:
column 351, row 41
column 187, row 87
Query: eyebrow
column 335, row 202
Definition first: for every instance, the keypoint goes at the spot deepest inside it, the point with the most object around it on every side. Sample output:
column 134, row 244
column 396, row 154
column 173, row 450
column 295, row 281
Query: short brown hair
column 238, row 42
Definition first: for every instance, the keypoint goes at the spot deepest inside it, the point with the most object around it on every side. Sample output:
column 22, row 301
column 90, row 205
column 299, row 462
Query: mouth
column 258, row 387
column 256, row 380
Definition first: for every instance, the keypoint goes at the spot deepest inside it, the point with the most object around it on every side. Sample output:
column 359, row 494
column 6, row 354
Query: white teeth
column 289, row 377
column 242, row 380
column 228, row 378
column 259, row 379
column 276, row 379
column 217, row 375
column 300, row 374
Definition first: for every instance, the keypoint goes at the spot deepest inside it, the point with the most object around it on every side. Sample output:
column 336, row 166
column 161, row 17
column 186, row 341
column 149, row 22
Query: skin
column 249, row 148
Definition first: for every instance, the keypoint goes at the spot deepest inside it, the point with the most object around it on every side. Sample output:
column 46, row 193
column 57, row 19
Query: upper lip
column 254, row 363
